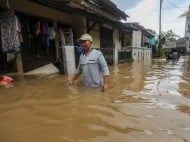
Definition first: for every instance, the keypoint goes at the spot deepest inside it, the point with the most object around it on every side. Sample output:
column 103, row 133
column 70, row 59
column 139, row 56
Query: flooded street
column 146, row 102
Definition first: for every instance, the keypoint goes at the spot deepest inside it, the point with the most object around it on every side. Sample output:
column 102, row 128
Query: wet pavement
column 147, row 101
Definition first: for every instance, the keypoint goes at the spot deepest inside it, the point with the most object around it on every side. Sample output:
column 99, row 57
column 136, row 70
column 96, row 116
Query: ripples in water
column 145, row 102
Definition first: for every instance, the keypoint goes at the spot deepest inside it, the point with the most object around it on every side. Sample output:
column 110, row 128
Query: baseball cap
column 85, row 37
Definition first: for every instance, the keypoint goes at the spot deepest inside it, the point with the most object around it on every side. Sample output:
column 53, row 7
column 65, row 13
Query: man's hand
column 71, row 82
column 105, row 87
column 105, row 83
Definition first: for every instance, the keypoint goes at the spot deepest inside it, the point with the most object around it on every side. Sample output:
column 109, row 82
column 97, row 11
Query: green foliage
column 169, row 35
column 187, row 13
column 126, row 40
column 161, row 53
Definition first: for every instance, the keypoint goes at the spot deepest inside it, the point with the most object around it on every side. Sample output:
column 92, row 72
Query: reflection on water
column 146, row 101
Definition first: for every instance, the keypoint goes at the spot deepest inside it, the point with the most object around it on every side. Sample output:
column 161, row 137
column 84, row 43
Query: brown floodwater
column 147, row 101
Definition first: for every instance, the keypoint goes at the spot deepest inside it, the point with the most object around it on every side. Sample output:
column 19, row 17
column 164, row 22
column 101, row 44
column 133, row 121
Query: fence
column 124, row 55
column 108, row 54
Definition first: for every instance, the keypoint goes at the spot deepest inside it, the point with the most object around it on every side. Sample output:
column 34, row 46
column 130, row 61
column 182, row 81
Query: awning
column 154, row 40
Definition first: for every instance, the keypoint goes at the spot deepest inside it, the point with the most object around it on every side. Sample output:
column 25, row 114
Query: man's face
column 86, row 44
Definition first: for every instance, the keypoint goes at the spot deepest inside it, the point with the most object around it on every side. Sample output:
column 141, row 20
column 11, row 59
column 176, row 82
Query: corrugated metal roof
column 101, row 11
column 100, row 8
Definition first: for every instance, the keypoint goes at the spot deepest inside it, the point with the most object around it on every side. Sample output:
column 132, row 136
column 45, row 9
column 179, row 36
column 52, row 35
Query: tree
column 187, row 13
column 169, row 35
column 164, row 38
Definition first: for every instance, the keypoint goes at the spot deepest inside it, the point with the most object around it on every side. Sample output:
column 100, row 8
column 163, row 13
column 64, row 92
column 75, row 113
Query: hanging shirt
column 52, row 32
column 9, row 35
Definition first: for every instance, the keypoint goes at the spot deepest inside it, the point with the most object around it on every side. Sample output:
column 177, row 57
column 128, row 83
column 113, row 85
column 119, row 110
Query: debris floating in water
column 6, row 81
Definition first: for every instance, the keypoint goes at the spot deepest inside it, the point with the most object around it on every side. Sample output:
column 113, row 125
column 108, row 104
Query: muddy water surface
column 146, row 102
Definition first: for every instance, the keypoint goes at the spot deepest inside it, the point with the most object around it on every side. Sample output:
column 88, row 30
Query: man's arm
column 105, row 71
column 77, row 73
column 105, row 83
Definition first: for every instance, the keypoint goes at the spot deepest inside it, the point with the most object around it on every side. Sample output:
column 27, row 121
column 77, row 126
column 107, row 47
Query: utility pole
column 160, row 29
column 160, row 17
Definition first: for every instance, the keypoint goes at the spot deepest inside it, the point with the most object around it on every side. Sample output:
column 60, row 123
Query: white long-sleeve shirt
column 92, row 66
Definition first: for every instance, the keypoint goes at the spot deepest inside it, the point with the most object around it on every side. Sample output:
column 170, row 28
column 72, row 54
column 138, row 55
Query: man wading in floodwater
column 92, row 65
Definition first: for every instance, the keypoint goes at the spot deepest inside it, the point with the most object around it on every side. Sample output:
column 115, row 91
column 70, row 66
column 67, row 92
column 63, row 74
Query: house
column 45, row 26
column 139, row 41
column 181, row 45
column 169, row 44
column 124, row 50
column 187, row 32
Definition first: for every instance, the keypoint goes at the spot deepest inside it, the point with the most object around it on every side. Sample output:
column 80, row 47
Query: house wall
column 181, row 43
column 187, row 24
column 142, row 53
column 95, row 33
column 136, row 38
column 79, row 24
column 139, row 52
column 116, row 39
column 147, row 54
column 35, row 9
column 170, row 44
column 117, row 45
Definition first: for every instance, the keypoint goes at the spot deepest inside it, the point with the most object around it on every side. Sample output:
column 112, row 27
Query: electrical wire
column 174, row 5
column 171, row 7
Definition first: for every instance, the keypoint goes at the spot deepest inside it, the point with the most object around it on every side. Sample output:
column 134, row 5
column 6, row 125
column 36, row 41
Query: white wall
column 136, row 38
column 69, row 59
column 95, row 33
column 116, row 39
column 142, row 53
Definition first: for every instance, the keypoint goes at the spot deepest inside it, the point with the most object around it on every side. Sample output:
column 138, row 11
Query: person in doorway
column 92, row 65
